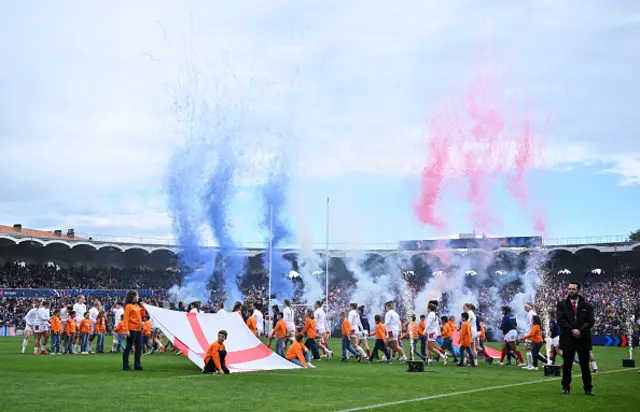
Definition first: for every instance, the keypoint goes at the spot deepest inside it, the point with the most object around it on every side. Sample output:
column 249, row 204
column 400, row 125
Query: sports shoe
column 533, row 368
column 309, row 364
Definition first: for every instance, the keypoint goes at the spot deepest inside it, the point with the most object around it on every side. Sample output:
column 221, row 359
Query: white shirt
column 80, row 309
column 432, row 325
column 64, row 315
column 354, row 319
column 259, row 319
column 472, row 321
column 321, row 320
column 42, row 316
column 288, row 316
column 30, row 317
column 392, row 320
column 117, row 315
column 222, row 311
column 93, row 314
column 528, row 320
column 195, row 310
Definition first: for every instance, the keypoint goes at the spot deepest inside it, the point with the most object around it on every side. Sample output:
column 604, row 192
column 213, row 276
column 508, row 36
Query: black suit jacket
column 567, row 322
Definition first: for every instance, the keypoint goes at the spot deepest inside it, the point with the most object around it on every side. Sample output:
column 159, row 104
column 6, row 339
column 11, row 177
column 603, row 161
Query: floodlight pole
column 326, row 264
column 270, row 251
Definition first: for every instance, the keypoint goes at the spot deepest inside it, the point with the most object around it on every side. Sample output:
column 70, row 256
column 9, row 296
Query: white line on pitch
column 446, row 395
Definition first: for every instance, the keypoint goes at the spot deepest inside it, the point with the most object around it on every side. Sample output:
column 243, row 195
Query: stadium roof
column 18, row 230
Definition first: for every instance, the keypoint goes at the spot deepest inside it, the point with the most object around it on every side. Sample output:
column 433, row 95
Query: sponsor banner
column 47, row 293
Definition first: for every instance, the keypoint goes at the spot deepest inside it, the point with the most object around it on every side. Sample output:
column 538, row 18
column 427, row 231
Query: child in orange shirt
column 535, row 335
column 447, row 337
column 298, row 353
column 381, row 340
column 56, row 331
column 146, row 333
column 346, row 341
column 121, row 330
column 70, row 333
column 85, row 330
column 413, row 332
column 280, row 332
column 214, row 360
column 464, row 340
column 310, row 330
column 101, row 330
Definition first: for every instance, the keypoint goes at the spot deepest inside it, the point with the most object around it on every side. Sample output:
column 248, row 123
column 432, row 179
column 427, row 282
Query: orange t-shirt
column 251, row 324
column 133, row 317
column 412, row 331
column 56, row 325
column 70, row 327
column 446, row 331
column 120, row 328
column 535, row 334
column 454, row 327
column 310, row 328
column 464, row 339
column 146, row 328
column 482, row 335
column 296, row 350
column 280, row 331
column 214, row 353
column 85, row 326
column 423, row 326
column 381, row 331
column 346, row 328
column 100, row 325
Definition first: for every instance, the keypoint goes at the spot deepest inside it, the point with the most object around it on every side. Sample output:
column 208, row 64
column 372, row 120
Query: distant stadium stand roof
column 18, row 230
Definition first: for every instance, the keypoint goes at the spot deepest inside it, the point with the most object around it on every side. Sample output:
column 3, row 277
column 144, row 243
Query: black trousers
column 583, row 355
column 210, row 367
column 380, row 345
column 311, row 345
column 135, row 337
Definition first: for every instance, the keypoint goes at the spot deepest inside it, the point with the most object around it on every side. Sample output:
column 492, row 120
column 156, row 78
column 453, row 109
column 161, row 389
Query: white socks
column 361, row 351
column 24, row 345
column 594, row 365
column 530, row 359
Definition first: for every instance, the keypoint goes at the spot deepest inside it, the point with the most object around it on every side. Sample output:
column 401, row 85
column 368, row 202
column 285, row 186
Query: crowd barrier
column 50, row 293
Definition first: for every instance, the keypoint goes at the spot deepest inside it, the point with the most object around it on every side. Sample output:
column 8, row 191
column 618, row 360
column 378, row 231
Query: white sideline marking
column 446, row 395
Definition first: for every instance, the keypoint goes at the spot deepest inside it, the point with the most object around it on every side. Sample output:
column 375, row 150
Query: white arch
column 77, row 244
column 58, row 242
column 586, row 248
column 30, row 239
column 109, row 246
column 11, row 238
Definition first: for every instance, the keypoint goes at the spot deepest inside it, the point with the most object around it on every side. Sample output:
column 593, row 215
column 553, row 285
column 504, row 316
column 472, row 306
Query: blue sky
column 94, row 98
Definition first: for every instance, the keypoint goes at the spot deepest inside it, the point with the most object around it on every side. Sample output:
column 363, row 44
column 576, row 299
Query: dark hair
column 287, row 302
column 130, row 295
column 310, row 313
column 237, row 306
column 257, row 306
column 223, row 332
column 275, row 308
column 535, row 320
column 299, row 337
column 444, row 319
column 464, row 316
column 353, row 306
column 361, row 309
column 506, row 309
column 377, row 318
column 319, row 302
column 432, row 307
column 422, row 316
column 280, row 315
column 578, row 285
column 55, row 312
column 413, row 318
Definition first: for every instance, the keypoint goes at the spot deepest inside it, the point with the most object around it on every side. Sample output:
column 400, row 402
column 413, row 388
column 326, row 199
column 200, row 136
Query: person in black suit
column 575, row 318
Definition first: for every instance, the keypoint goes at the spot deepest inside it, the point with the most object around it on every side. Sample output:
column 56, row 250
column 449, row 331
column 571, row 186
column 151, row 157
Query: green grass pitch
column 173, row 383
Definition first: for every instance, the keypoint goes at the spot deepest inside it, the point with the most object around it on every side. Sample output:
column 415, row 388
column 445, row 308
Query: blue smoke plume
column 218, row 192
column 274, row 193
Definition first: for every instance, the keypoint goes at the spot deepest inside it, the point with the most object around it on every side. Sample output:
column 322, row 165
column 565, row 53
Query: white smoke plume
column 310, row 267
